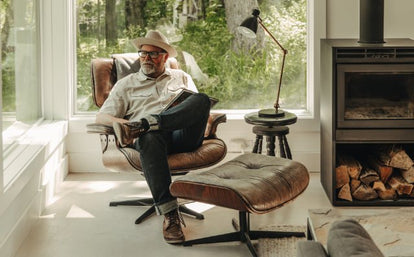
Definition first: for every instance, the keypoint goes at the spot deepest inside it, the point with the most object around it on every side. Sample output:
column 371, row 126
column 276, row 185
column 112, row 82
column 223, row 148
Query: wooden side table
column 271, row 128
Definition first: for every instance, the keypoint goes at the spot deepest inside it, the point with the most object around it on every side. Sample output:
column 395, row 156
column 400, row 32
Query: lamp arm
column 283, row 61
column 280, row 81
column 271, row 35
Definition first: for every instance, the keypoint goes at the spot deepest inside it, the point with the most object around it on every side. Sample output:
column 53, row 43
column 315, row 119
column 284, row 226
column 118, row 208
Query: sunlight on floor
column 100, row 186
column 199, row 207
column 77, row 212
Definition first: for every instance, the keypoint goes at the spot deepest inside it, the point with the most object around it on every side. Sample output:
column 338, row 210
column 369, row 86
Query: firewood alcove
column 367, row 122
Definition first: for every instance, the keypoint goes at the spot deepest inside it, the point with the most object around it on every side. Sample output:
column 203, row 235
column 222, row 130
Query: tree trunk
column 236, row 13
column 135, row 13
column 5, row 29
column 110, row 23
column 99, row 22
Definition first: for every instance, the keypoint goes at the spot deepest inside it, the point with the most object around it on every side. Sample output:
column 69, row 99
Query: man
column 135, row 108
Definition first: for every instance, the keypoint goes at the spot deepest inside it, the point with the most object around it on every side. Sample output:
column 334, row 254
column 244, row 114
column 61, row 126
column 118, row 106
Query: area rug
column 283, row 247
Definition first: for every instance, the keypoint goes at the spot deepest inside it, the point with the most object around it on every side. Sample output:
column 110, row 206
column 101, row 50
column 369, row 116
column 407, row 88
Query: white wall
column 343, row 19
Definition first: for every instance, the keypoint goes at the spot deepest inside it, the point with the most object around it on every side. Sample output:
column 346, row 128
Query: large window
column 21, row 94
column 243, row 74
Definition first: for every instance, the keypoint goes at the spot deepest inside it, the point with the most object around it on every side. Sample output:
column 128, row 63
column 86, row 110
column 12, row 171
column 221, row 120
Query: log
column 354, row 167
column 394, row 156
column 342, row 177
column 365, row 193
column 378, row 186
column 345, row 193
column 408, row 175
column 385, row 192
column 368, row 176
column 383, row 171
column 355, row 183
column 400, row 185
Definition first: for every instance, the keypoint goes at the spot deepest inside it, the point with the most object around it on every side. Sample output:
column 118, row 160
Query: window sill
column 32, row 148
column 306, row 120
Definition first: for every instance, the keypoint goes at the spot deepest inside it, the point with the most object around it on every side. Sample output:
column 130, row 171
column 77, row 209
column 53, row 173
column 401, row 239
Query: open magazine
column 183, row 95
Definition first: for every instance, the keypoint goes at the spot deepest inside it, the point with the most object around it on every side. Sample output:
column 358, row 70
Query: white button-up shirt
column 138, row 95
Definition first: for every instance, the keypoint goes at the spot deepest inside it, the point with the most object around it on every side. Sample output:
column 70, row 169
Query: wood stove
column 367, row 106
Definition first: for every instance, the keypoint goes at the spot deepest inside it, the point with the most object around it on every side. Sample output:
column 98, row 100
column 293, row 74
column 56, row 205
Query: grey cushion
column 347, row 238
column 310, row 249
column 126, row 64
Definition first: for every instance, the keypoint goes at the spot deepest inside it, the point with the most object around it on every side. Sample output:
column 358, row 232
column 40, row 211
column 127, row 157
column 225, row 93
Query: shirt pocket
column 176, row 84
column 141, row 94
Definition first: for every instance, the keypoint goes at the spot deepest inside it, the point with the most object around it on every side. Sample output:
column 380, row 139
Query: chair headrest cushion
column 126, row 64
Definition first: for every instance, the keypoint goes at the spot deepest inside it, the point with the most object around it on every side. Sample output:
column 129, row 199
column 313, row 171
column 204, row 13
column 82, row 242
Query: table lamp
column 249, row 28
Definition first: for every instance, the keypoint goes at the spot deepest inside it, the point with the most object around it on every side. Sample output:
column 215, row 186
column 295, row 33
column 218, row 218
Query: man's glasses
column 153, row 55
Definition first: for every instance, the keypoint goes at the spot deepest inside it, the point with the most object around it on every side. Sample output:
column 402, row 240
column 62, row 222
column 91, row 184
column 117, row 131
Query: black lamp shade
column 250, row 23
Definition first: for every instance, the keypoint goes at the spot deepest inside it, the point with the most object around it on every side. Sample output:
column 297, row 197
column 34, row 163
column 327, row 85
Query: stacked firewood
column 386, row 173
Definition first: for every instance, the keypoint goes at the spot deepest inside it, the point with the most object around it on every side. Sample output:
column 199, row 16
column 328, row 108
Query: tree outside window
column 242, row 73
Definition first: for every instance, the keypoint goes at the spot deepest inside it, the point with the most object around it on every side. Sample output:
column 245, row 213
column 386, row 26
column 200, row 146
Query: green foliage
column 288, row 24
column 160, row 9
column 248, row 80
column 88, row 49
column 8, row 84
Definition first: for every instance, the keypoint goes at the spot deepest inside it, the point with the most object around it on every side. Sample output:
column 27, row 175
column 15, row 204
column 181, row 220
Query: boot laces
column 175, row 217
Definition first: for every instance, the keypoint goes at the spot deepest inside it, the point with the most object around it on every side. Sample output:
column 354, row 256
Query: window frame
column 55, row 58
column 14, row 147
column 24, row 126
column 316, row 17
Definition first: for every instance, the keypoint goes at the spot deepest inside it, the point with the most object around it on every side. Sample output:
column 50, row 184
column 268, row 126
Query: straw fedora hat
column 155, row 38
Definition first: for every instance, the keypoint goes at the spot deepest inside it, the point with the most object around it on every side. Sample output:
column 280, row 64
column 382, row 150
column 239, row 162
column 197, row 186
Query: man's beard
column 148, row 68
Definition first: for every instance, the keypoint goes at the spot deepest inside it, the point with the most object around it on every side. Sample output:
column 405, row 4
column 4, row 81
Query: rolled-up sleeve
column 116, row 104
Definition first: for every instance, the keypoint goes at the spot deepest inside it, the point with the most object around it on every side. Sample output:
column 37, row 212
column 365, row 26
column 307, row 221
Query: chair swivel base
column 150, row 202
column 244, row 235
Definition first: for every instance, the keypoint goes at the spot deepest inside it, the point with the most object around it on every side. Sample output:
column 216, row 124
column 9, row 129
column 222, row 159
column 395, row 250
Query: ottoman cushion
column 250, row 182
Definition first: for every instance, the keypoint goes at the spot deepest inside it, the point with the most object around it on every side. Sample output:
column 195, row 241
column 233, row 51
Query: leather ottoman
column 250, row 183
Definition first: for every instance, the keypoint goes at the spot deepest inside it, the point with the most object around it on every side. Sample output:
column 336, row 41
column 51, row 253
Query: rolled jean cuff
column 166, row 207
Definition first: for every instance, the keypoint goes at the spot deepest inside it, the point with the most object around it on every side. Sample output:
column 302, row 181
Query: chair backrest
column 107, row 71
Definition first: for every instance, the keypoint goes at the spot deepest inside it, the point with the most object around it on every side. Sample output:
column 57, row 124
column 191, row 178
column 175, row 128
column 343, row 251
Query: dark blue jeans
column 181, row 129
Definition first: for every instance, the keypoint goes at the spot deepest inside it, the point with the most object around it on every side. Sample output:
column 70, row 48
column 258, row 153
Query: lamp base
column 271, row 113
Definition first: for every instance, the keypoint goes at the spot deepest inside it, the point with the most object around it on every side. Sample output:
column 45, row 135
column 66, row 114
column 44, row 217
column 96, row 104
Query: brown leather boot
column 173, row 234
column 127, row 132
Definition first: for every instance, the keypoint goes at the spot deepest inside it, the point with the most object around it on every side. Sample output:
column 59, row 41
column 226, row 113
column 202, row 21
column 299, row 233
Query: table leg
column 281, row 147
column 270, row 145
column 259, row 151
column 286, row 144
column 257, row 148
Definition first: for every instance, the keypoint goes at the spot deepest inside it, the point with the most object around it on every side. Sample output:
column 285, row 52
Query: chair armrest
column 97, row 128
column 213, row 121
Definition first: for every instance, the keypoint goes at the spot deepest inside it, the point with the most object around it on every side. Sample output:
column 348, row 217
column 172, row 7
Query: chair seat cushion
column 250, row 182
column 209, row 153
